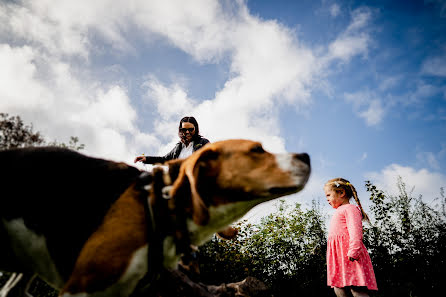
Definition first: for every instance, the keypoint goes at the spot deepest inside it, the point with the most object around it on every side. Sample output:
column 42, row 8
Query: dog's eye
column 257, row 149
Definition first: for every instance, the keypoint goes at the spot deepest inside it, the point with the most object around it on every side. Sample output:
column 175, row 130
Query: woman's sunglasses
column 183, row 130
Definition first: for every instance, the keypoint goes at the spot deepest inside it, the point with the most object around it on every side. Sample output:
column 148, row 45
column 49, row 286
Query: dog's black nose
column 304, row 157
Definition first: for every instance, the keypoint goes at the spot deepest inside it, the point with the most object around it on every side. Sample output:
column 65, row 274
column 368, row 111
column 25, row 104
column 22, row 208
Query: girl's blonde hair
column 339, row 183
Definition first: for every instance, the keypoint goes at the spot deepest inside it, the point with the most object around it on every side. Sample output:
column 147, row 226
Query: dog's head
column 221, row 182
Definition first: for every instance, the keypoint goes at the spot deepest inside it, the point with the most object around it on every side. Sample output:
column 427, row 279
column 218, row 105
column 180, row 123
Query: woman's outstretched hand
column 140, row 159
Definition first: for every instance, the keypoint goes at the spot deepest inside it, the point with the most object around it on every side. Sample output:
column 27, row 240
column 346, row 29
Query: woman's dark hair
column 193, row 121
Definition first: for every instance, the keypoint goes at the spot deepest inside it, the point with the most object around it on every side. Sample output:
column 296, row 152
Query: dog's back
column 83, row 186
column 83, row 225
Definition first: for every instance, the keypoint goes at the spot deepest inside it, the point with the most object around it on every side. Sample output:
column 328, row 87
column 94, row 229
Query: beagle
column 92, row 227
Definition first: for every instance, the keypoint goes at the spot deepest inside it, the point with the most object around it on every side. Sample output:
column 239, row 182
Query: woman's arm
column 169, row 156
column 155, row 159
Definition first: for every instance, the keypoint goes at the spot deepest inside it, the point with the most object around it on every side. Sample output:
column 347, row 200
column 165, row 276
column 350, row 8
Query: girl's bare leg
column 342, row 292
column 359, row 292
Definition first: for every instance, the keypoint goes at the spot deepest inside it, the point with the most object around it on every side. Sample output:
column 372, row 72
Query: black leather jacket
column 199, row 142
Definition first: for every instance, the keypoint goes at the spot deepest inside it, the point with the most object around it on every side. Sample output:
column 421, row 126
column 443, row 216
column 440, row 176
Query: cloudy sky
column 359, row 85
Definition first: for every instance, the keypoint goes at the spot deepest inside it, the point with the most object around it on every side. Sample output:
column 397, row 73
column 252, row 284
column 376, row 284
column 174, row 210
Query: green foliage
column 15, row 134
column 286, row 250
column 407, row 243
column 72, row 144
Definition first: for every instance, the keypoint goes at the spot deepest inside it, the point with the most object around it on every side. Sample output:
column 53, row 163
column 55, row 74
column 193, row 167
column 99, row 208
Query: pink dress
column 345, row 240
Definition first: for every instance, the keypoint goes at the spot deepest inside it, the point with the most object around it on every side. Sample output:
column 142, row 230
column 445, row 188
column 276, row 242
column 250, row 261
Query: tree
column 72, row 144
column 407, row 243
column 15, row 134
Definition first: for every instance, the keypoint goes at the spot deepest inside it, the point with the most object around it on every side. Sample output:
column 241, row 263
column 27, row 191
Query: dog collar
column 154, row 186
column 167, row 183
column 167, row 180
column 146, row 183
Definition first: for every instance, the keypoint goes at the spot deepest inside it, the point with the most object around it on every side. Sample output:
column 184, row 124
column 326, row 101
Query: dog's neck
column 170, row 238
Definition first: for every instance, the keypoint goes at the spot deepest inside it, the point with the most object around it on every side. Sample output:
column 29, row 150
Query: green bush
column 286, row 250
column 406, row 241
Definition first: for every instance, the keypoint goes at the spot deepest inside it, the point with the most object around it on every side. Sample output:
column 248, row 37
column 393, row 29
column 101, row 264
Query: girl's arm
column 353, row 219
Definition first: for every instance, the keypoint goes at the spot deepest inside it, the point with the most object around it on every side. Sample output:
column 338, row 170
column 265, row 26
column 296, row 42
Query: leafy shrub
column 406, row 241
column 286, row 250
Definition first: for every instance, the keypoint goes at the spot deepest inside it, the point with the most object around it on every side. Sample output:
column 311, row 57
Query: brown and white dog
column 84, row 225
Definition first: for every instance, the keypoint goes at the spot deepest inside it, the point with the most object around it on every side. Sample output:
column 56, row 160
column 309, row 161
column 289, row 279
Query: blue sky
column 359, row 85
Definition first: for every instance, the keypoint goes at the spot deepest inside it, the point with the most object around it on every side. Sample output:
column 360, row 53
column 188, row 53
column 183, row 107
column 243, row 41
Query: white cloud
column 367, row 106
column 374, row 113
column 268, row 69
column 432, row 160
column 373, row 106
column 170, row 101
column 53, row 44
column 19, row 87
column 355, row 40
column 268, row 66
column 107, row 110
column 335, row 10
column 201, row 28
column 361, row 18
column 346, row 47
column 67, row 27
column 422, row 92
column 45, row 25
column 435, row 66
column 363, row 157
column 389, row 82
column 423, row 181
column 313, row 191
column 48, row 94
column 429, row 159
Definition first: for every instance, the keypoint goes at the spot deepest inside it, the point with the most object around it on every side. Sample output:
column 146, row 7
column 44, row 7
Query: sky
column 358, row 85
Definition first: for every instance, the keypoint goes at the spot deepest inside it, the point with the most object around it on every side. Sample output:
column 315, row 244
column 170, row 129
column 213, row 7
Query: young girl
column 349, row 268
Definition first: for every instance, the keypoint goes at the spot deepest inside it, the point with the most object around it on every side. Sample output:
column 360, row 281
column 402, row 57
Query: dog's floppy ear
column 174, row 167
column 187, row 182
